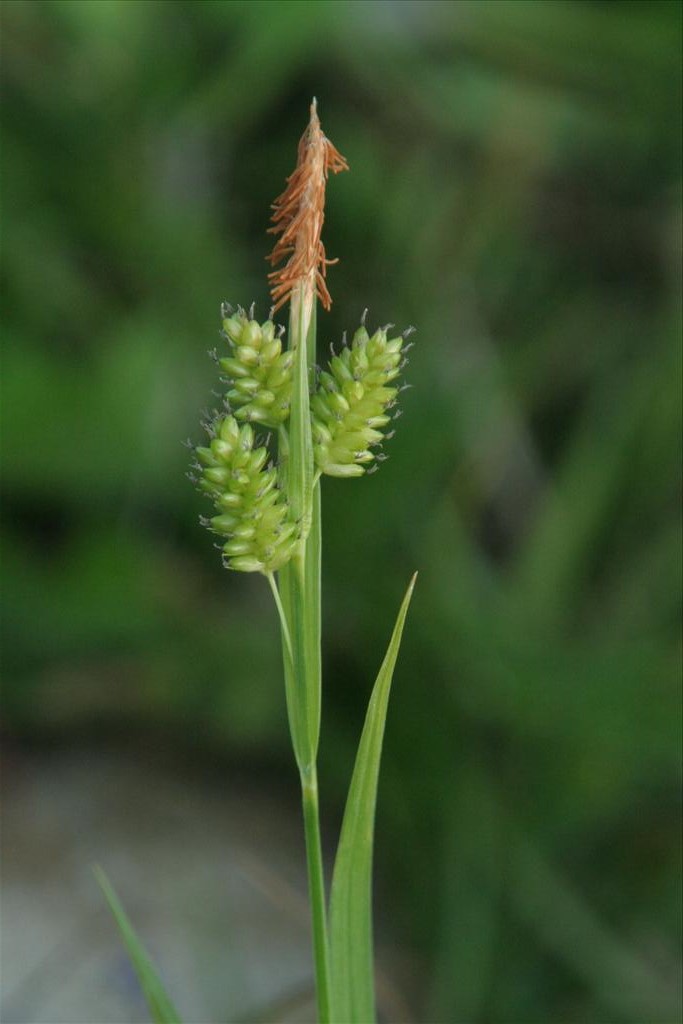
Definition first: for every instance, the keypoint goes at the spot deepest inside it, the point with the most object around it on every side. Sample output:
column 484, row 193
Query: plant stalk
column 299, row 608
column 316, row 891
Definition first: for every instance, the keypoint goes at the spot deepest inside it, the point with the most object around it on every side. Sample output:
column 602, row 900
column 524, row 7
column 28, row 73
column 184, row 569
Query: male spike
column 299, row 214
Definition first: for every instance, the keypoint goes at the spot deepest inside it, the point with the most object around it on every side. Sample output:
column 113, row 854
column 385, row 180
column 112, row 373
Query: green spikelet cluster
column 258, row 372
column 349, row 410
column 253, row 515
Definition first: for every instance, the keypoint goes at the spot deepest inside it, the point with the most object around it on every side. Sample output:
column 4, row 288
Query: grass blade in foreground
column 160, row 1006
column 353, row 999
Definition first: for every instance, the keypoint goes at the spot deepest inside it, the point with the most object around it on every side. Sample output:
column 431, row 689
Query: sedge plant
column 284, row 425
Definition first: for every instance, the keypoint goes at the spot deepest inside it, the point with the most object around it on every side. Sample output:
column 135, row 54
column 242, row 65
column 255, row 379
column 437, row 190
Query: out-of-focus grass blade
column 353, row 996
column 162, row 1009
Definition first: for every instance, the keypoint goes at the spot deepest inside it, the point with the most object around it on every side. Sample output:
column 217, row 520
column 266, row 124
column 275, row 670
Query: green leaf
column 353, row 998
column 160, row 1006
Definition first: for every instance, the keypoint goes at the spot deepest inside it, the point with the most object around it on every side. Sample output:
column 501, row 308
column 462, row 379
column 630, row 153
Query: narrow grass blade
column 353, row 997
column 160, row 1006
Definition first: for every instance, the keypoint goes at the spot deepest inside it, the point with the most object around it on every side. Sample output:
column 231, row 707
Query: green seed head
column 258, row 372
column 253, row 516
column 350, row 406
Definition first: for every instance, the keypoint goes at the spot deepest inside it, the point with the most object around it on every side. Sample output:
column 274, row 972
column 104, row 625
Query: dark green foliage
column 514, row 191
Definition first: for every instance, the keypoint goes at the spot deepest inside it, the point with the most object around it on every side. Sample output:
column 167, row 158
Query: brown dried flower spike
column 299, row 214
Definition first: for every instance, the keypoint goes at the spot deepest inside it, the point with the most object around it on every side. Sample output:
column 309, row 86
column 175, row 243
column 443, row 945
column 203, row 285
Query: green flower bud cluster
column 253, row 515
column 258, row 371
column 349, row 410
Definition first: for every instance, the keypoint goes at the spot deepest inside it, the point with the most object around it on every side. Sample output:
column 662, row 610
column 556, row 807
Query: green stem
column 281, row 612
column 299, row 580
column 298, row 600
column 316, row 891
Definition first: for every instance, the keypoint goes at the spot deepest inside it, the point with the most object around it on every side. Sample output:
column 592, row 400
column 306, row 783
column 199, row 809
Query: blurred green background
column 515, row 192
